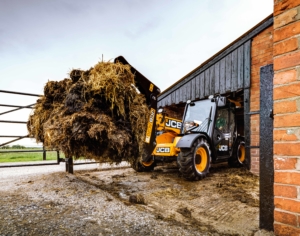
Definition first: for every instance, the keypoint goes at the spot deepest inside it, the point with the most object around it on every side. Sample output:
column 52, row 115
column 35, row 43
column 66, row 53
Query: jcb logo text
column 164, row 150
column 173, row 124
column 223, row 148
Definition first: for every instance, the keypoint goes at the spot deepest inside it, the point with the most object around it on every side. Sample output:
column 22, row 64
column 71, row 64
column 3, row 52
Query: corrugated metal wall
column 224, row 73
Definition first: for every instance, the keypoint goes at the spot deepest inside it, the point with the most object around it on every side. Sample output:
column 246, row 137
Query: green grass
column 27, row 156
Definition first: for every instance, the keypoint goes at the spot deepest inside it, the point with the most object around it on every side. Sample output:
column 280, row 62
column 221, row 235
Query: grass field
column 27, row 156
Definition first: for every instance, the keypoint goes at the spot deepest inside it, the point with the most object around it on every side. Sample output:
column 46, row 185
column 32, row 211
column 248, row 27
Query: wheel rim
column 148, row 163
column 201, row 159
column 241, row 153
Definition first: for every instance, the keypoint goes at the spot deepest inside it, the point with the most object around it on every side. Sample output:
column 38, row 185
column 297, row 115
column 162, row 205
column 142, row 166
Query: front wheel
column 238, row 156
column 194, row 162
column 141, row 166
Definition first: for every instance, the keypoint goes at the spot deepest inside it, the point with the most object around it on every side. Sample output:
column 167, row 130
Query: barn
column 260, row 69
column 234, row 72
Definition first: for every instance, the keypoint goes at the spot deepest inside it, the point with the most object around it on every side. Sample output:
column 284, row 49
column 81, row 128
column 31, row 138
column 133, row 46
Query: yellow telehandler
column 207, row 134
column 167, row 131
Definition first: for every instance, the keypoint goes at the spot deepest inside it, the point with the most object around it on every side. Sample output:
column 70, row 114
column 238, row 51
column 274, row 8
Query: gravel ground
column 45, row 200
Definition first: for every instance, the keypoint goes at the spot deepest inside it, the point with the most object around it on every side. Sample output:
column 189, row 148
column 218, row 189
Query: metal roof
column 226, row 71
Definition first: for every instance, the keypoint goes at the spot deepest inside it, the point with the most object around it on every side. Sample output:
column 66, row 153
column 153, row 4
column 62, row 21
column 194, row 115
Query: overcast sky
column 43, row 40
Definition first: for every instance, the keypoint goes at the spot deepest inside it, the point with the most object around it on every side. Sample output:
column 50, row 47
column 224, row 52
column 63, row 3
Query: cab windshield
column 198, row 116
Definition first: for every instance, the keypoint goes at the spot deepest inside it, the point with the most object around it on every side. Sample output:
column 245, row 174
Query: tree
column 17, row 146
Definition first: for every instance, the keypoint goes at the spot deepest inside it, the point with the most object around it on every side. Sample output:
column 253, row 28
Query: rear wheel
column 141, row 166
column 194, row 162
column 238, row 156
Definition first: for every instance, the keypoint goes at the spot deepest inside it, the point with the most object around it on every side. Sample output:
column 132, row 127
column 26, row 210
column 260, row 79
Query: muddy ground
column 124, row 202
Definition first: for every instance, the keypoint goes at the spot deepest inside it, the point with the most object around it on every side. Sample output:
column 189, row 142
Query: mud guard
column 188, row 140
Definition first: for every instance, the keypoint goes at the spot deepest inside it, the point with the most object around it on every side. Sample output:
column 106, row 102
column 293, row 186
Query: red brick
column 255, row 92
column 285, row 77
column 287, row 178
column 285, row 18
column 254, row 142
column 287, row 149
column 286, row 46
column 261, row 54
column 281, row 135
column 288, row 91
column 285, row 230
column 254, row 152
column 265, row 34
column 255, row 89
column 285, row 191
column 254, row 129
column 285, row 107
column 284, row 5
column 254, row 122
column 255, row 85
column 287, row 204
column 268, row 59
column 254, row 170
column 254, row 107
column 254, row 100
column 286, row 61
column 284, row 163
column 290, row 120
column 286, row 218
column 287, row 31
column 255, row 61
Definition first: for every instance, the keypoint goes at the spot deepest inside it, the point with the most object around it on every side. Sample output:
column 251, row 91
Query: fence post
column 58, row 157
column 69, row 165
column 44, row 154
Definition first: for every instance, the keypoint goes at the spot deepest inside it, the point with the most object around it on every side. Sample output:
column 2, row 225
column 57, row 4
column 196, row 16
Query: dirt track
column 123, row 202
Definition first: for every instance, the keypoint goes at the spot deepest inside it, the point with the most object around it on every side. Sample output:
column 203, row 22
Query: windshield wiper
column 209, row 117
column 200, row 128
column 195, row 126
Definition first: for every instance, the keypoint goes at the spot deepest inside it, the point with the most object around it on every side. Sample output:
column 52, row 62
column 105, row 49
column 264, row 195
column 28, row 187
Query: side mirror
column 212, row 98
column 221, row 101
column 189, row 102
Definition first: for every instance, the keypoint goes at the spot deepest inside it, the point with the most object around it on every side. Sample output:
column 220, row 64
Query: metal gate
column 68, row 160
column 19, row 137
column 266, row 167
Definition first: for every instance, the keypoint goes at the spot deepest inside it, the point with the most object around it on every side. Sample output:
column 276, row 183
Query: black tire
column 178, row 160
column 238, row 156
column 194, row 162
column 139, row 166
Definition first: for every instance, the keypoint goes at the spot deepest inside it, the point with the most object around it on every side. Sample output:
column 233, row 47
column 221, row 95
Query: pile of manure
column 96, row 114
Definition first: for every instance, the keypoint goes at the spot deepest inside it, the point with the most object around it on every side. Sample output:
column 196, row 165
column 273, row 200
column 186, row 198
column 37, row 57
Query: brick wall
column 287, row 117
column 261, row 55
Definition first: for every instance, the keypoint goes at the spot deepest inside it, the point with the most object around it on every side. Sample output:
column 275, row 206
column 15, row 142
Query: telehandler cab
column 209, row 135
